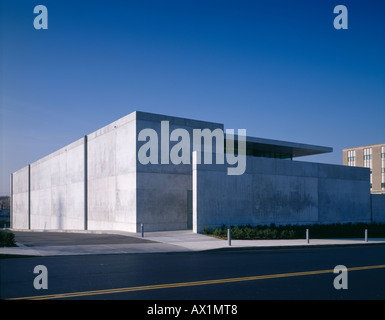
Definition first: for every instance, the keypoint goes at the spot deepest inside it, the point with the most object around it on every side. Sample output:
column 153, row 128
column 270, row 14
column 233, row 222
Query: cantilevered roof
column 278, row 146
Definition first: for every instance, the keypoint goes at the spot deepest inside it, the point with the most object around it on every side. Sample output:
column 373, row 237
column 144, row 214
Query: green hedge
column 320, row 231
column 7, row 239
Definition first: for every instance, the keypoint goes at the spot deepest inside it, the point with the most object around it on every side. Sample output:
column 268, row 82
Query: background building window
column 352, row 158
column 368, row 162
column 383, row 168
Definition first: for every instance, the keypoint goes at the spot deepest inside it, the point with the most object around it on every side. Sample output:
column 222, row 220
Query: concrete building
column 372, row 157
column 99, row 183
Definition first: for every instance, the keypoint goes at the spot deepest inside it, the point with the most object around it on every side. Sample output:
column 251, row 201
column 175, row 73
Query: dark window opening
column 261, row 153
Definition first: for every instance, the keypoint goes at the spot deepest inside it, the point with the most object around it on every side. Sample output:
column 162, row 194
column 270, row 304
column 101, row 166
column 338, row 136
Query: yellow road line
column 187, row 284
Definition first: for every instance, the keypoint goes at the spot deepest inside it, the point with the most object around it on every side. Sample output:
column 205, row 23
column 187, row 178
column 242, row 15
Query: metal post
column 307, row 236
column 229, row 235
column 142, row 229
column 366, row 235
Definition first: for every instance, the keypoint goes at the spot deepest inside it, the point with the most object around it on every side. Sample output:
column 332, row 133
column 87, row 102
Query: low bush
column 321, row 231
column 7, row 239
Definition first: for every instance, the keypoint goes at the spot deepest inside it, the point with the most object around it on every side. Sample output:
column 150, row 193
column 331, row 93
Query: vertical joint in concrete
column 194, row 192
column 29, row 196
column 11, row 202
column 85, row 184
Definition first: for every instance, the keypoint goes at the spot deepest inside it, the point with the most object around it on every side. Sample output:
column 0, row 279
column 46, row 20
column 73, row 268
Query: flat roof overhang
column 293, row 148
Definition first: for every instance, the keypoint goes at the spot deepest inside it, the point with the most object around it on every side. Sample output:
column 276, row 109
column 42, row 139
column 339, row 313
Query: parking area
column 49, row 238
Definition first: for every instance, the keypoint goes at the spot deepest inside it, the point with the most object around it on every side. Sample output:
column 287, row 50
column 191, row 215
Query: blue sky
column 278, row 69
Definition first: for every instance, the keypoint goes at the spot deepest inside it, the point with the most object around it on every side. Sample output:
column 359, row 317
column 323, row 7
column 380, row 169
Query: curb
column 230, row 248
column 304, row 246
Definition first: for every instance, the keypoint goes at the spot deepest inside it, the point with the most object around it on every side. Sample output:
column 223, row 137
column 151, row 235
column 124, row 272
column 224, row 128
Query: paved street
column 219, row 275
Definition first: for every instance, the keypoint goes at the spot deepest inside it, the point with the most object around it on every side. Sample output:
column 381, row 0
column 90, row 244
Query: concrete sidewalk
column 199, row 242
column 173, row 241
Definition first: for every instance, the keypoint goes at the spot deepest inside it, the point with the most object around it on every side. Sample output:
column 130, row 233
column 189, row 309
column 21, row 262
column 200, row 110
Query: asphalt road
column 201, row 275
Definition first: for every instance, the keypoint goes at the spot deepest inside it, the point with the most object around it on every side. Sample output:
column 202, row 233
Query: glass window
column 351, row 158
column 368, row 157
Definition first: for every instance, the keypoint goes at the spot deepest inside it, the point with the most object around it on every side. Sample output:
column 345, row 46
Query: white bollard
column 229, row 235
column 307, row 236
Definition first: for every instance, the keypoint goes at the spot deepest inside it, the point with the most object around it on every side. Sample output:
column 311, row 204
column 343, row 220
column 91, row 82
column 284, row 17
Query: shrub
column 320, row 231
column 217, row 232
column 206, row 230
column 7, row 239
column 287, row 234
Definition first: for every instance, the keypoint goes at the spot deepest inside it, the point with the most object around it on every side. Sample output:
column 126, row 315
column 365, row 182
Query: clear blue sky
column 278, row 69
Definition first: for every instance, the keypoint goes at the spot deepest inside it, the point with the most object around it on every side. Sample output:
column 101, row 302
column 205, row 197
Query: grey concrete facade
column 281, row 192
column 111, row 170
column 49, row 194
column 162, row 189
column 378, row 207
column 89, row 184
column 98, row 183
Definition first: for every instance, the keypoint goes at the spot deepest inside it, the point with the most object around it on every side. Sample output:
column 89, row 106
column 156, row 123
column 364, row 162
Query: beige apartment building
column 372, row 157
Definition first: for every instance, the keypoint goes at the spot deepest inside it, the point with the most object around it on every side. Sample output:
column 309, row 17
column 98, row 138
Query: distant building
column 372, row 157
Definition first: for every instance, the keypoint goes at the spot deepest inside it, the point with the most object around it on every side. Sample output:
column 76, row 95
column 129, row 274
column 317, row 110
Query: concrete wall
column 20, row 199
column 378, row 207
column 281, row 192
column 112, row 176
column 162, row 188
column 101, row 165
column 98, row 183
column 57, row 189
column 49, row 193
column 344, row 194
